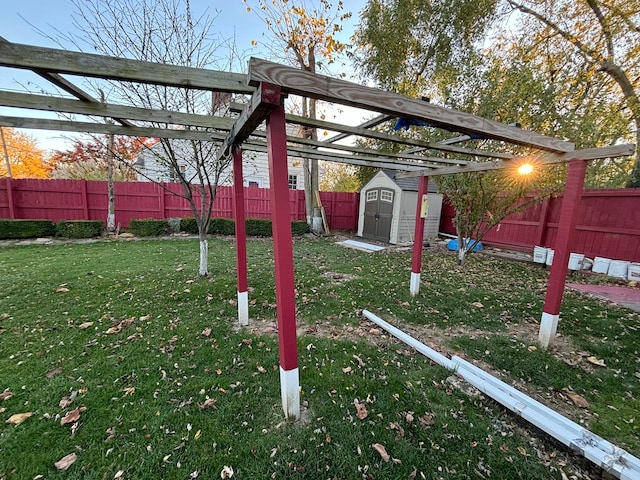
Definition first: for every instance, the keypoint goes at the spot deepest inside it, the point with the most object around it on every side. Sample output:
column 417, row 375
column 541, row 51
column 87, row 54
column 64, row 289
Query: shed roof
column 409, row 184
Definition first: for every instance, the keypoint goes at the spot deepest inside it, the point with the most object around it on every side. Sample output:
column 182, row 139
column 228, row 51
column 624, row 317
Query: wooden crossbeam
column 307, row 84
column 544, row 159
column 105, row 128
column 101, row 66
column 66, row 105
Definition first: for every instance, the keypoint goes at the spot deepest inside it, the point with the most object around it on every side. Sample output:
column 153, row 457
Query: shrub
column 189, row 225
column 26, row 228
column 79, row 228
column 258, row 227
column 222, row 226
column 174, row 224
column 298, row 227
column 148, row 227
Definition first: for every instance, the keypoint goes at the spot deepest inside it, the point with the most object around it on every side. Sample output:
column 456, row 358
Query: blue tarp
column 453, row 244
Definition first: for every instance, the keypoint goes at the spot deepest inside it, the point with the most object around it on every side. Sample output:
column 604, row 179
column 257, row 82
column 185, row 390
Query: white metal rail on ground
column 603, row 453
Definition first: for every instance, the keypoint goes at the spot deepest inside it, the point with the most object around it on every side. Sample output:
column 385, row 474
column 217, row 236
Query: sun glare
column 525, row 169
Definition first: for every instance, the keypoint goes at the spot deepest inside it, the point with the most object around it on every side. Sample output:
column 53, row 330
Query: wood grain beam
column 66, row 105
column 326, row 88
column 544, row 159
column 67, row 86
column 105, row 128
column 101, row 66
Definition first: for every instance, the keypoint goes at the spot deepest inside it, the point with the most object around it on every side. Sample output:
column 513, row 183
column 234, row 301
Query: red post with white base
column 418, row 236
column 564, row 241
column 283, row 257
column 241, row 238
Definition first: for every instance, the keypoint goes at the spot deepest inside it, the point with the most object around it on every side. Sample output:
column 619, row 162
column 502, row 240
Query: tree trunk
column 462, row 248
column 204, row 256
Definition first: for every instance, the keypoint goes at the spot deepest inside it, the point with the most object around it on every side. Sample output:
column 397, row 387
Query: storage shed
column 388, row 208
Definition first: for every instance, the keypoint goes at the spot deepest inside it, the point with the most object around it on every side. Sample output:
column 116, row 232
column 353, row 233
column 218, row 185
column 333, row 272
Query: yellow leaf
column 18, row 418
column 596, row 361
column 197, row 435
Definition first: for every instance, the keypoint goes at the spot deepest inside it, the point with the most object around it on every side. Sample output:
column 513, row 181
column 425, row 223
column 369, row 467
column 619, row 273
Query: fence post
column 162, row 203
column 12, row 212
column 542, row 226
column 85, row 199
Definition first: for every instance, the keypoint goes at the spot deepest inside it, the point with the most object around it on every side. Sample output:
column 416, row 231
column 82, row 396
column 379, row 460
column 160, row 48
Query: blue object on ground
column 453, row 245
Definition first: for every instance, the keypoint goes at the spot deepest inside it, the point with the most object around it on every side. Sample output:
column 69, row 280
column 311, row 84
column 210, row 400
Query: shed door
column 378, row 213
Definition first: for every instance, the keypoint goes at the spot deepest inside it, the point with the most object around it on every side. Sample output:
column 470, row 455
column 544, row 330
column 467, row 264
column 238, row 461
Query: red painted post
column 283, row 257
column 418, row 236
column 241, row 237
column 564, row 241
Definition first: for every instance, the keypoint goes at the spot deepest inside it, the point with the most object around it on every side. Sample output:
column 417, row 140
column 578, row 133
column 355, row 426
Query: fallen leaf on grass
column 53, row 373
column 346, row 370
column 72, row 417
column 6, row 395
column 523, row 452
column 84, row 325
column 361, row 410
column 477, row 304
column 62, row 290
column 66, row 401
column 596, row 361
column 206, row 332
column 426, row 420
column 18, row 418
column 382, row 451
column 208, row 403
column 66, row 461
column 578, row 400
column 360, row 362
column 227, row 472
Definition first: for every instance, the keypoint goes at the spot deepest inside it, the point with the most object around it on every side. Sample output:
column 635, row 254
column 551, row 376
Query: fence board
column 608, row 225
column 80, row 199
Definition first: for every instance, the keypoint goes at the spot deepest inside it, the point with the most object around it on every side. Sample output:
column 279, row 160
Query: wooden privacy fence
column 608, row 225
column 87, row 200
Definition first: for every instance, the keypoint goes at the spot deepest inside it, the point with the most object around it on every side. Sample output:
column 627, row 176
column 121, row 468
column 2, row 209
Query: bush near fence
column 79, row 228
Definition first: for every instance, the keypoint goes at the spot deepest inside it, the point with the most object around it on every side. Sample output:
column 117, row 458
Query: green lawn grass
column 168, row 387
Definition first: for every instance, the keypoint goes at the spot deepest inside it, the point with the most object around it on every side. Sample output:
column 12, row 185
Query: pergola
column 269, row 84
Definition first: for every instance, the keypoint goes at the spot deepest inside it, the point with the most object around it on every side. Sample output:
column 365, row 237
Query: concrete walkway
column 625, row 296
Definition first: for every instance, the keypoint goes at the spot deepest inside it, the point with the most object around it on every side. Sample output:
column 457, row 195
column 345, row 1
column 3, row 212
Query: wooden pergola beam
column 106, row 128
column 67, row 105
column 111, row 68
column 544, row 159
column 321, row 87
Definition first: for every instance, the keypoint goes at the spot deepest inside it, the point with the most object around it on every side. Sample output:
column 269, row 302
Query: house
column 388, row 208
column 151, row 166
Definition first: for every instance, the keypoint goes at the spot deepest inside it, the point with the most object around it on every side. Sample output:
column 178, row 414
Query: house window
column 372, row 195
column 386, row 196
column 253, row 184
column 293, row 182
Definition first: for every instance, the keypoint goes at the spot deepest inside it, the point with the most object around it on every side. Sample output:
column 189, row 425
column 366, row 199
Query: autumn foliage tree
column 25, row 158
column 304, row 34
column 88, row 159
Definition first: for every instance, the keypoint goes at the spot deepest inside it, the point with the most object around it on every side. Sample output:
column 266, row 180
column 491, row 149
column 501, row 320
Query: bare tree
column 164, row 31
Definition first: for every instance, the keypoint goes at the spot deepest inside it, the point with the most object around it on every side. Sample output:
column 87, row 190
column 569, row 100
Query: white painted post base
column 414, row 284
column 243, row 308
column 548, row 327
column 290, row 392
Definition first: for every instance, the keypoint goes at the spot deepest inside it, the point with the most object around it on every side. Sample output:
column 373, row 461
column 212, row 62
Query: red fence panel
column 80, row 199
column 608, row 225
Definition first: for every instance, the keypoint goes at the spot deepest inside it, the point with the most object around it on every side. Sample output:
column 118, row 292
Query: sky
column 21, row 20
